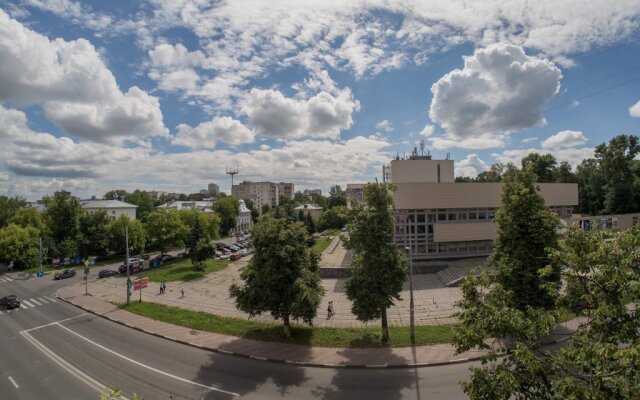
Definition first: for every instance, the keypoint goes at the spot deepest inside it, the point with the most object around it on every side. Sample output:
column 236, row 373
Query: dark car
column 167, row 257
column 133, row 267
column 105, row 273
column 67, row 273
column 184, row 254
column 235, row 256
column 9, row 302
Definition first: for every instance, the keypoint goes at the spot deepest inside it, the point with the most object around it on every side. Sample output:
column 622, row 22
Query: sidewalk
column 419, row 356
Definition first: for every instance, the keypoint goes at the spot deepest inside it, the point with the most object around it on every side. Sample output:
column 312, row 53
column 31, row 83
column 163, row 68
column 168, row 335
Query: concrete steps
column 449, row 277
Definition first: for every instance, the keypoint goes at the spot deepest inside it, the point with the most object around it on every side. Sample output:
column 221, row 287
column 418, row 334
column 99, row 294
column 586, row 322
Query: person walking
column 182, row 292
column 161, row 288
column 330, row 311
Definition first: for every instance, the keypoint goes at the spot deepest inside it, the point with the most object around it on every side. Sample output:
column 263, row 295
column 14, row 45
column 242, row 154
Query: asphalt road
column 55, row 351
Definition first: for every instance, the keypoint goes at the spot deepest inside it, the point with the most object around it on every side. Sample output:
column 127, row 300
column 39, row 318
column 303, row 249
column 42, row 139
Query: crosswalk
column 5, row 279
column 26, row 304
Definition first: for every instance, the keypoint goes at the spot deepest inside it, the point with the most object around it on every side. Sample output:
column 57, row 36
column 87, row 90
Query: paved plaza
column 434, row 303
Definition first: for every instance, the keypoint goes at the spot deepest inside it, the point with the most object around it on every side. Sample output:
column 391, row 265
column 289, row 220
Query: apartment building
column 263, row 193
column 213, row 189
column 113, row 208
column 438, row 218
column 311, row 192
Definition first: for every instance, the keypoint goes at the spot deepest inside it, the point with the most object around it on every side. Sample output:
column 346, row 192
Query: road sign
column 140, row 283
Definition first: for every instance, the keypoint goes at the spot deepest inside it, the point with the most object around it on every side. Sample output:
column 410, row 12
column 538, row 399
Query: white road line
column 66, row 365
column 34, row 301
column 27, row 303
column 54, row 323
column 42, row 300
column 8, row 279
column 23, row 306
column 0, row 312
column 50, row 299
column 2, row 280
column 15, row 385
column 146, row 366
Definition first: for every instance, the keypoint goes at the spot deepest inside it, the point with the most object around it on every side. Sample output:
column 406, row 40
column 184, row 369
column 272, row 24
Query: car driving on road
column 105, row 273
column 67, row 273
column 9, row 302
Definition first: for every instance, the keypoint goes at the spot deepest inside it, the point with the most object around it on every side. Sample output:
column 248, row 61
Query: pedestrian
column 11, row 266
column 182, row 292
column 161, row 287
column 330, row 311
column 164, row 288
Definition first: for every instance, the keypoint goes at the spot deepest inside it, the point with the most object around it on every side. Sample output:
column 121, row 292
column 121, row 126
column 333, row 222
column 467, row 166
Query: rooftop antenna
column 422, row 147
column 448, row 156
column 232, row 170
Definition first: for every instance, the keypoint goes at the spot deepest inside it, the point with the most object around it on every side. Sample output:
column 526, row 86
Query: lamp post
column 126, row 238
column 412, row 333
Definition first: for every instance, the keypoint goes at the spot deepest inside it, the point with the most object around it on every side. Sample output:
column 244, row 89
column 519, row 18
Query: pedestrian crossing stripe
column 35, row 302
column 23, row 306
column 42, row 300
column 50, row 299
column 39, row 301
column 6, row 279
column 27, row 303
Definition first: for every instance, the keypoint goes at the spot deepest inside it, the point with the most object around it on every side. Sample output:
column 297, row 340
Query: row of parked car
column 235, row 251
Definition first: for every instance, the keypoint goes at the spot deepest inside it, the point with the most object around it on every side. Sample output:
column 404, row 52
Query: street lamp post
column 126, row 239
column 412, row 326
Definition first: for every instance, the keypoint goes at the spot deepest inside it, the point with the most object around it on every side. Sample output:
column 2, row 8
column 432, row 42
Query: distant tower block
column 232, row 170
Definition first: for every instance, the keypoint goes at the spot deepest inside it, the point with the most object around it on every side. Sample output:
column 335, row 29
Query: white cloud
column 385, row 126
column 272, row 114
column 75, row 88
column 573, row 156
column 499, row 90
column 207, row 134
column 73, row 11
column 565, row 139
column 471, row 166
column 634, row 110
column 428, row 130
column 472, row 143
column 530, row 139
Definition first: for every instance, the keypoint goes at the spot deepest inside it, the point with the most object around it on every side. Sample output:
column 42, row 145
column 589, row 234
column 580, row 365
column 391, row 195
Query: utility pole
column 233, row 170
column 412, row 326
column 40, row 258
column 126, row 239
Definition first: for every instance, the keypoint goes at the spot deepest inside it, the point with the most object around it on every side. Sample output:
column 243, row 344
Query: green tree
column 137, row 235
column 195, row 235
column 495, row 172
column 311, row 226
column 63, row 218
column 94, row 233
column 228, row 209
column 616, row 160
column 210, row 221
column 378, row 269
column 141, row 199
column 282, row 277
column 68, row 248
column 165, row 229
column 21, row 244
column 526, row 229
column 600, row 361
column 118, row 194
column 337, row 197
column 542, row 165
column 564, row 173
column 333, row 218
column 301, row 215
column 9, row 206
column 29, row 217
column 203, row 250
column 591, row 187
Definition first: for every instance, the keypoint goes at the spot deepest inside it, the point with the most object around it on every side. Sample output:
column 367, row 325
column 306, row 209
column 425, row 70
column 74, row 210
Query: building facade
column 310, row 209
column 214, row 190
column 311, row 192
column 205, row 206
column 113, row 208
column 263, row 193
column 354, row 193
column 438, row 218
column 243, row 222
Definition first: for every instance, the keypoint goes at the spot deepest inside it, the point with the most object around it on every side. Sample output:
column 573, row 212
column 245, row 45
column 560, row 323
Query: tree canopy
column 228, row 208
column 282, row 277
column 164, row 229
column 378, row 269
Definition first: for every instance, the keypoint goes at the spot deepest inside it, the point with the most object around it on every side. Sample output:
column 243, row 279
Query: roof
column 106, row 204
column 186, row 204
column 308, row 207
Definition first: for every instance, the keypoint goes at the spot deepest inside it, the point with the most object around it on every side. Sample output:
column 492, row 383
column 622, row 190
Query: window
column 482, row 214
column 452, row 215
column 473, row 247
column 462, row 215
column 442, row 215
column 472, row 214
column 430, row 229
column 421, row 218
column 492, row 214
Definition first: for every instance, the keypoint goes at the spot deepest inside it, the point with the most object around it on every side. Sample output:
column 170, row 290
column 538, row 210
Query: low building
column 243, row 222
column 354, row 193
column 310, row 209
column 618, row 222
column 438, row 218
column 113, row 208
column 205, row 206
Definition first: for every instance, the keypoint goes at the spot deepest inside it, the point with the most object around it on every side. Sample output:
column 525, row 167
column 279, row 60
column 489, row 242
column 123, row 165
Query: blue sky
column 164, row 95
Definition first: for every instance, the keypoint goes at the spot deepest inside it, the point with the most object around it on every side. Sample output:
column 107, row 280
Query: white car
column 225, row 256
column 244, row 252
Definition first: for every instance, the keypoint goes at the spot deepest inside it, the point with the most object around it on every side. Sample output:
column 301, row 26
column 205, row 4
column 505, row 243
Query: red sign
column 140, row 283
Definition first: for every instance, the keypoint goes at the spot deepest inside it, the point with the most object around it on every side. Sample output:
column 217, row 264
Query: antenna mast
column 232, row 170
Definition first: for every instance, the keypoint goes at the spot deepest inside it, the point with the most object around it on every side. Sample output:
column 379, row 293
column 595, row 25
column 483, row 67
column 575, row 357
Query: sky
column 164, row 95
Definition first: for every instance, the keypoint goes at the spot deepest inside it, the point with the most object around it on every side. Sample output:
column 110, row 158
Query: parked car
column 241, row 245
column 235, row 256
column 220, row 245
column 244, row 252
column 67, row 273
column 225, row 256
column 183, row 254
column 9, row 302
column 134, row 265
column 233, row 247
column 105, row 273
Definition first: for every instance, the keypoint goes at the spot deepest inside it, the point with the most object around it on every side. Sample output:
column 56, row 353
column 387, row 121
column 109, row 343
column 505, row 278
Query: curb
column 278, row 360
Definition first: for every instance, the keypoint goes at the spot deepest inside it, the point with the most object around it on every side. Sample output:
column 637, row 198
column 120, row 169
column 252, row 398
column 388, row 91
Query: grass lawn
column 183, row 271
column 319, row 336
column 322, row 244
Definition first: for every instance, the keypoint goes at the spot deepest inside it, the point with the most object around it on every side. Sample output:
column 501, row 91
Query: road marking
column 147, row 366
column 23, row 306
column 50, row 299
column 8, row 279
column 65, row 365
column 55, row 322
column 34, row 301
column 27, row 303
column 0, row 312
column 14, row 383
column 42, row 300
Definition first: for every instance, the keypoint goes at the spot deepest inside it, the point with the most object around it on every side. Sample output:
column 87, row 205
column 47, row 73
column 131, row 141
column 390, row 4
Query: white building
column 205, row 206
column 243, row 222
column 113, row 208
